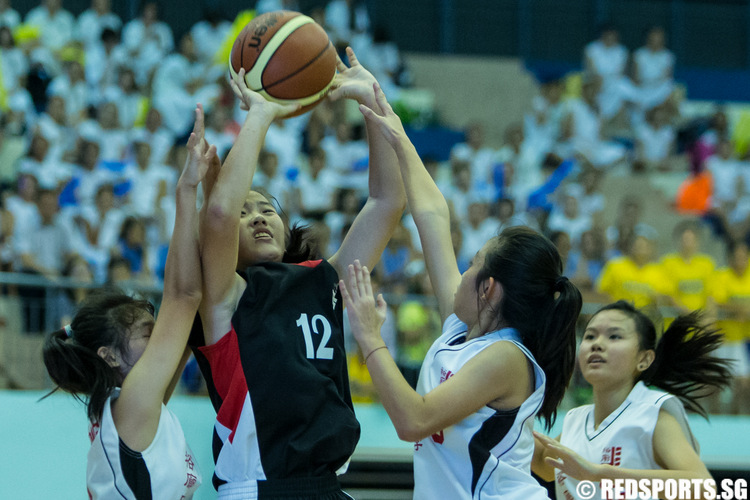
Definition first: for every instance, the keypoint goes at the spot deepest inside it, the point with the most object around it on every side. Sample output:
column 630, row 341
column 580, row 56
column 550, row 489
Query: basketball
column 287, row 58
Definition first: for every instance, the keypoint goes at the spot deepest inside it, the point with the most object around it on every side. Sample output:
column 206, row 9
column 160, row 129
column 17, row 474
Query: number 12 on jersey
column 311, row 326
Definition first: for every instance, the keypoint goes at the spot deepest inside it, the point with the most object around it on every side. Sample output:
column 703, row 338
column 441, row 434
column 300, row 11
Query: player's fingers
column 192, row 140
column 557, row 464
column 353, row 61
column 366, row 281
column 361, row 289
column 369, row 114
column 381, row 99
column 340, row 64
column 210, row 153
column 352, row 273
column 344, row 292
column 381, row 304
column 543, row 438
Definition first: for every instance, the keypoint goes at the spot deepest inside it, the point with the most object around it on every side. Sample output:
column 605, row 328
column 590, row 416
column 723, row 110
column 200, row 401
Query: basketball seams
column 253, row 78
column 301, row 68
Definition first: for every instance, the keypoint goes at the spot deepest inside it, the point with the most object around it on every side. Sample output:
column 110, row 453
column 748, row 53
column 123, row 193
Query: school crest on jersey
column 612, row 455
column 439, row 437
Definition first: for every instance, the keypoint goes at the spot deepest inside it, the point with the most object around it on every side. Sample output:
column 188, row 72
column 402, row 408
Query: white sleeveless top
column 166, row 469
column 488, row 454
column 623, row 439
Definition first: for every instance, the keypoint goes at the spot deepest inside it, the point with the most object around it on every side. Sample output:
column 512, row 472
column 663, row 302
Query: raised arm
column 219, row 233
column 481, row 381
column 426, row 202
column 385, row 204
column 137, row 410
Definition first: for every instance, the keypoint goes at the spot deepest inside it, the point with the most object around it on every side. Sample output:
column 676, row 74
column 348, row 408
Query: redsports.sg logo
column 669, row 489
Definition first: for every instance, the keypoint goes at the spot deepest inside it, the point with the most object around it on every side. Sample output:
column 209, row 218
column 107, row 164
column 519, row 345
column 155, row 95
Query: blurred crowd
column 96, row 110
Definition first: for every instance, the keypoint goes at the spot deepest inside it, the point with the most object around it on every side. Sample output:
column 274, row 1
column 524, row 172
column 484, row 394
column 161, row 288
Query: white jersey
column 488, row 454
column 166, row 469
column 623, row 439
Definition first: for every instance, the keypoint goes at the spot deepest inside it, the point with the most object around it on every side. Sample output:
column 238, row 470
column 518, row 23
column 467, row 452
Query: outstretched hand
column 384, row 118
column 568, row 461
column 200, row 154
column 251, row 100
column 353, row 82
column 366, row 315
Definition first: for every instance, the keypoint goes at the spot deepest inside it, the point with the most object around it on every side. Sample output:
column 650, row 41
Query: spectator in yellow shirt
column 635, row 277
column 730, row 290
column 688, row 271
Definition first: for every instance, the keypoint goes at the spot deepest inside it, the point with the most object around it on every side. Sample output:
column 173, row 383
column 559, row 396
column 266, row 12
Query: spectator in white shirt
column 215, row 133
column 606, row 59
column 346, row 155
column 148, row 41
column 474, row 151
column 89, row 173
column 584, row 129
column 8, row 17
column 655, row 141
column 104, row 60
column 209, row 34
column 567, row 216
column 159, row 137
column 149, row 182
column 126, row 96
column 107, row 132
column 73, row 87
column 94, row 20
column 22, row 204
column 13, row 62
column 95, row 227
column 344, row 19
column 55, row 24
column 477, row 229
column 49, row 172
column 653, row 67
column 43, row 249
column 316, row 186
column 53, row 125
column 178, row 84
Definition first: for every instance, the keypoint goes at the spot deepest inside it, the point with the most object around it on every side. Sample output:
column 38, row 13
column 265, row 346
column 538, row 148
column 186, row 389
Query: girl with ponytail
column 637, row 427
column 124, row 364
column 506, row 353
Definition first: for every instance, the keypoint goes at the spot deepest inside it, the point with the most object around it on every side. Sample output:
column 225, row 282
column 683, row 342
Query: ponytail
column 71, row 354
column 538, row 302
column 79, row 371
column 556, row 347
column 684, row 364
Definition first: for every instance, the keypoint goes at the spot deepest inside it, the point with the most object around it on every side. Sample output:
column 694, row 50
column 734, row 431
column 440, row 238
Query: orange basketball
column 287, row 57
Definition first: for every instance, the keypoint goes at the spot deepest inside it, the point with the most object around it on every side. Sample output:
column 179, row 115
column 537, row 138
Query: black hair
column 301, row 244
column 684, row 364
column 538, row 302
column 103, row 320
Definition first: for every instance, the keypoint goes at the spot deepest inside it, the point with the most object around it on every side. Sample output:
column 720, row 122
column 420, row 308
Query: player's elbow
column 411, row 431
column 218, row 215
column 408, row 433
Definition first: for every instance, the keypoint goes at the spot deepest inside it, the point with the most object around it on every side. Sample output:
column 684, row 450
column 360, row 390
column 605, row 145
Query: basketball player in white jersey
column 126, row 364
column 506, row 352
column 637, row 427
